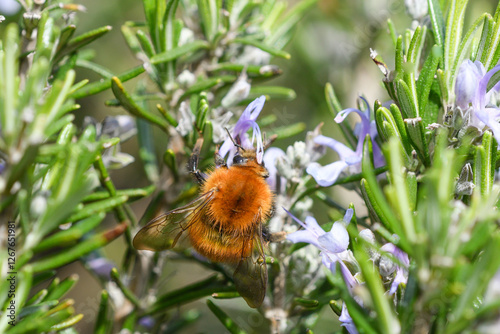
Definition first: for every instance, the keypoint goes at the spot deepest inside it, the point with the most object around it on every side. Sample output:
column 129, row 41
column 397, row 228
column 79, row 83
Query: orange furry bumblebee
column 225, row 223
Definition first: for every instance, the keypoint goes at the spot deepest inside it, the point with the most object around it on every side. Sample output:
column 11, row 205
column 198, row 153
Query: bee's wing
column 250, row 276
column 164, row 231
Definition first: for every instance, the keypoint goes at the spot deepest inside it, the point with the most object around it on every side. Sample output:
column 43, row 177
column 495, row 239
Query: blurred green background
column 331, row 44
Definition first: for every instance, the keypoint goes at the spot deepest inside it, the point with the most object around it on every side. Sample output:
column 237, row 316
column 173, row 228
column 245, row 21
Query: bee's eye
column 238, row 159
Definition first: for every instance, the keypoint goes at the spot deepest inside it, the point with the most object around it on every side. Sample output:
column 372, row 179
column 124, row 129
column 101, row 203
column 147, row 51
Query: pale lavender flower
column 247, row 120
column 333, row 244
column 335, row 241
column 147, row 321
column 401, row 269
column 386, row 265
column 327, row 175
column 9, row 7
column 346, row 320
column 121, row 126
column 471, row 95
column 99, row 265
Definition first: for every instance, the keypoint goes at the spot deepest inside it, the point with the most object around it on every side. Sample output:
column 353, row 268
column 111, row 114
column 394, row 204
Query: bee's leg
column 219, row 161
column 277, row 236
column 268, row 236
column 265, row 233
column 193, row 161
column 273, row 210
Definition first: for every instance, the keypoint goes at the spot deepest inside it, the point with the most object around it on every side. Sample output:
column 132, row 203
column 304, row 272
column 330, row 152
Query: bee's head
column 244, row 156
column 248, row 158
column 239, row 160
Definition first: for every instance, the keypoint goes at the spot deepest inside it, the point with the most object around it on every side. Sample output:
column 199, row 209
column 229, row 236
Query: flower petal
column 367, row 111
column 378, row 157
column 244, row 123
column 349, row 279
column 481, row 96
column 467, row 83
column 304, row 236
column 329, row 261
column 353, row 160
column 335, row 145
column 127, row 126
column 341, row 116
column 325, row 176
column 365, row 116
column 490, row 116
column 335, row 241
column 225, row 147
column 259, row 150
column 253, row 110
column 389, row 248
column 346, row 321
column 348, row 215
column 400, row 278
column 397, row 253
column 101, row 266
column 310, row 224
column 245, row 141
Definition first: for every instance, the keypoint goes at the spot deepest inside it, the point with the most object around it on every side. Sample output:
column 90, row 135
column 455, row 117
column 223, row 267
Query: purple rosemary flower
column 121, row 126
column 333, row 244
column 99, row 265
column 247, row 120
column 147, row 321
column 473, row 99
column 9, row 7
column 346, row 320
column 401, row 269
column 327, row 175
column 335, row 241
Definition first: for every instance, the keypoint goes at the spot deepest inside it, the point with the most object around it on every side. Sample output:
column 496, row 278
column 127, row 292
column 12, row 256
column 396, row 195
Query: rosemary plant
column 419, row 255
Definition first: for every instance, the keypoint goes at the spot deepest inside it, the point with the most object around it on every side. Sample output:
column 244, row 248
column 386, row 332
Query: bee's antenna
column 232, row 139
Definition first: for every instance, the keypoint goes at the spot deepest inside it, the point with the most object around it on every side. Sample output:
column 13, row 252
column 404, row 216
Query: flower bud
column 186, row 78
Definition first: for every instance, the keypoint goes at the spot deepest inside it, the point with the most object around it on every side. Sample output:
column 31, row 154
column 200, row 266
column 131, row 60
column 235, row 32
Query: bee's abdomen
column 219, row 245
